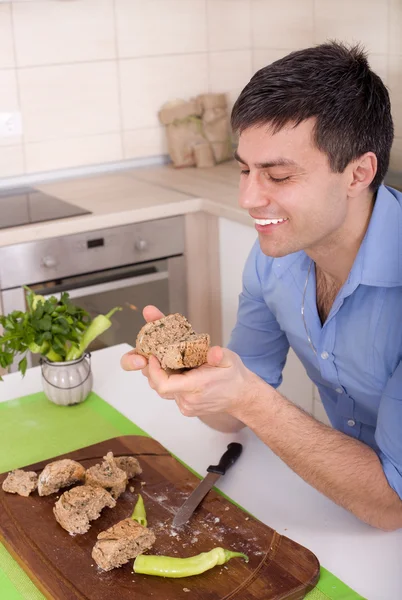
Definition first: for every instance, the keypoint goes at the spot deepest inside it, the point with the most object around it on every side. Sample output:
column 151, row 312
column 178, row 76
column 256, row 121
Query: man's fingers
column 131, row 361
column 158, row 376
column 219, row 357
column 151, row 313
column 166, row 385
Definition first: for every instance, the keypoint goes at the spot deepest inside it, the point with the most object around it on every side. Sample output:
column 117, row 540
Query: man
column 325, row 277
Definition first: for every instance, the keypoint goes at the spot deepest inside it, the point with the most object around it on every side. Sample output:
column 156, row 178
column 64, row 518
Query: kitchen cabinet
column 235, row 242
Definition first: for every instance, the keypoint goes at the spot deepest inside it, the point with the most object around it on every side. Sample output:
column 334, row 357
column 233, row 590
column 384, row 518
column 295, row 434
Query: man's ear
column 362, row 173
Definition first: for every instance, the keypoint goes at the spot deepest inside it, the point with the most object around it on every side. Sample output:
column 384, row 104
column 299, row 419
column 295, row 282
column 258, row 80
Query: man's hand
column 131, row 361
column 221, row 385
column 217, row 387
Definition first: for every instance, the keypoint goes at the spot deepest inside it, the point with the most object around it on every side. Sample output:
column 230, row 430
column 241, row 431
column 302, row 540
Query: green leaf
column 8, row 323
column 45, row 324
column 56, row 328
column 22, row 365
column 39, row 310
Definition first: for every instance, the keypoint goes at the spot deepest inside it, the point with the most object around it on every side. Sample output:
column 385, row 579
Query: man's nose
column 252, row 195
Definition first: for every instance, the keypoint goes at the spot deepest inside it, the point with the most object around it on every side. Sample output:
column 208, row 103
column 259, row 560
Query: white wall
column 235, row 242
column 89, row 76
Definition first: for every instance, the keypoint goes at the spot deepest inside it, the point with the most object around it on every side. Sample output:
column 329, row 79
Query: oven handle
column 112, row 285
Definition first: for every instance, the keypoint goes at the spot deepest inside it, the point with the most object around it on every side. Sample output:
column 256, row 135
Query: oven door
column 160, row 282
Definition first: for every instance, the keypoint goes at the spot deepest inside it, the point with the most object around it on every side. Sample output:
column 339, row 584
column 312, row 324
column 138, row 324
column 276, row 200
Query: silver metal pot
column 67, row 383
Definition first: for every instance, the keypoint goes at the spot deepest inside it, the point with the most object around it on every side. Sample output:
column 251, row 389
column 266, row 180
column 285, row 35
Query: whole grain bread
column 107, row 475
column 20, row 482
column 77, row 507
column 129, row 464
column 174, row 343
column 121, row 543
column 59, row 474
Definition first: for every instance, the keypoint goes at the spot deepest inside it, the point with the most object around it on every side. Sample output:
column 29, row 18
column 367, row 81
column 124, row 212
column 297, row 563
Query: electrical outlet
column 10, row 124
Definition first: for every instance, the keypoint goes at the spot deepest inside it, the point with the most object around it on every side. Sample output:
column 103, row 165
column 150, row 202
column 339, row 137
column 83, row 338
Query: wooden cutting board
column 62, row 567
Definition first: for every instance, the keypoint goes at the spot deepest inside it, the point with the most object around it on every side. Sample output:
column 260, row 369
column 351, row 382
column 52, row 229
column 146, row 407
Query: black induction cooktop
column 25, row 205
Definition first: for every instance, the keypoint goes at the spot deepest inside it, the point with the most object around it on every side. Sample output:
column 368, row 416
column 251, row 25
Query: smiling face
column 287, row 186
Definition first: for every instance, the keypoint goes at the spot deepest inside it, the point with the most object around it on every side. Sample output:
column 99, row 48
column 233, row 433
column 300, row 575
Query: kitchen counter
column 137, row 195
column 366, row 559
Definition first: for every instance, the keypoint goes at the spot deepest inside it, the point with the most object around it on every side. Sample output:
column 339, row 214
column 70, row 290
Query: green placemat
column 35, row 429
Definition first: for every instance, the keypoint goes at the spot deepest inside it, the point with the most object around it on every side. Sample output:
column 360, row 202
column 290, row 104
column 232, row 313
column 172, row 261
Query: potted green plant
column 60, row 333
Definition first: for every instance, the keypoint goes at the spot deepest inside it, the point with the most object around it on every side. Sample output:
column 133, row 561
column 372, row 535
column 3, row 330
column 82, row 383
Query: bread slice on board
column 121, row 543
column 174, row 343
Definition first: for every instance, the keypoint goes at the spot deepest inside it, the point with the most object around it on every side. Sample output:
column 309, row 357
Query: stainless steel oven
column 129, row 266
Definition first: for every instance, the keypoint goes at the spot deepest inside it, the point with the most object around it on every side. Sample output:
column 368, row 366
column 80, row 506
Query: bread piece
column 174, row 343
column 59, row 474
column 20, row 482
column 121, row 543
column 129, row 464
column 107, row 475
column 80, row 505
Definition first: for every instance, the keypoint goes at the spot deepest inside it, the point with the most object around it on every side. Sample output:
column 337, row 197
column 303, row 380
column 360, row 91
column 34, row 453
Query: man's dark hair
column 333, row 83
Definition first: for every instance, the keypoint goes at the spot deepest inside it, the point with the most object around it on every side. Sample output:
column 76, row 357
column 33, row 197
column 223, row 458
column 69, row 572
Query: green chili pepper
column 53, row 356
column 139, row 513
column 98, row 326
column 45, row 350
column 42, row 349
column 167, row 566
column 36, row 299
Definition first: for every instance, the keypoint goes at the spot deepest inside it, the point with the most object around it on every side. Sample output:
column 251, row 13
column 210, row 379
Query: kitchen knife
column 214, row 473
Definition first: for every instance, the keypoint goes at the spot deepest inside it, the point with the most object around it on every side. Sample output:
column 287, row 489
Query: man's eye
column 279, row 180
column 244, row 172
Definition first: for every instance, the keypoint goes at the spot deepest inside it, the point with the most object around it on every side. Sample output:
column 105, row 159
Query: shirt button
column 351, row 423
column 324, row 355
column 339, row 390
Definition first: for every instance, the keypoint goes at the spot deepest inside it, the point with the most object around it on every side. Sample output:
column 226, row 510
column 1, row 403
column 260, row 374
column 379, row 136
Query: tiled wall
column 90, row 75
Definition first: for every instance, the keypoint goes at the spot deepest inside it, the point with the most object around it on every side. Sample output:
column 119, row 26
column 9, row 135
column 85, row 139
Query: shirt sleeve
column 257, row 337
column 388, row 433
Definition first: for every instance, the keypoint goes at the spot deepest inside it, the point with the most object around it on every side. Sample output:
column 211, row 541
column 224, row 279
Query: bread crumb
column 186, row 590
column 131, row 489
column 227, row 508
column 247, row 518
column 216, row 520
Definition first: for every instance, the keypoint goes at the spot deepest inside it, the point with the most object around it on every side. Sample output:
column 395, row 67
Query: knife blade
column 214, row 473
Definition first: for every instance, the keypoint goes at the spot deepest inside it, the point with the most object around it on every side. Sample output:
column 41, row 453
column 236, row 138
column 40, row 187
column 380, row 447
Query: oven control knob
column 141, row 245
column 49, row 262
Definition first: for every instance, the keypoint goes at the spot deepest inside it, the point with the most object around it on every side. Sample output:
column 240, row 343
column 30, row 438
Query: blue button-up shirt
column 358, row 364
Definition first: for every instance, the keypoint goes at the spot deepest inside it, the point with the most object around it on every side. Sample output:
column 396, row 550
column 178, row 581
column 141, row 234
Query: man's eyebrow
column 279, row 162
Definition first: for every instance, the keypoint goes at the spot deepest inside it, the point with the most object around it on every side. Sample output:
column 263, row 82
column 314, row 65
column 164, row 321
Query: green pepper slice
column 167, row 566
column 139, row 513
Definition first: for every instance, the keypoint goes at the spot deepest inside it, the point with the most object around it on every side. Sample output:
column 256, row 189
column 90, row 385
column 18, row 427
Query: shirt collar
column 379, row 259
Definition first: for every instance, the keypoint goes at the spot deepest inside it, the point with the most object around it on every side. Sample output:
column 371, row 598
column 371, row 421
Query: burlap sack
column 183, row 130
column 204, row 156
column 215, row 125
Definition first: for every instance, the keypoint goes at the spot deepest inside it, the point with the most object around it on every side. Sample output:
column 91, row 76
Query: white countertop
column 366, row 559
column 137, row 195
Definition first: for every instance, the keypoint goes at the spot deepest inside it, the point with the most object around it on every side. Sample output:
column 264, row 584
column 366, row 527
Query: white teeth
column 269, row 221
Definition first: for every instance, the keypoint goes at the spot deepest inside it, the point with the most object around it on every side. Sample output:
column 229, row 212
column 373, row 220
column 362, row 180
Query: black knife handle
column 227, row 459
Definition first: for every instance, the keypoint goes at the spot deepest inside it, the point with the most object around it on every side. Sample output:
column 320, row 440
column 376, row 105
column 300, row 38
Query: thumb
column 151, row 313
column 219, row 357
column 131, row 361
